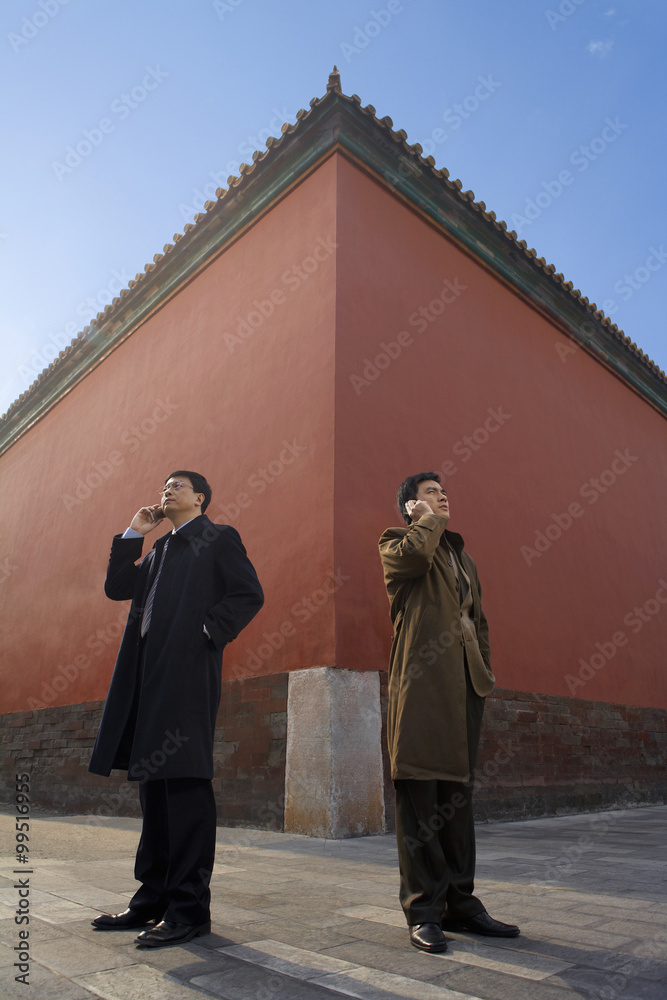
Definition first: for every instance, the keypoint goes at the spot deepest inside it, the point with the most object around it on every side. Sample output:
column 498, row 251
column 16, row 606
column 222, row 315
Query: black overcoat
column 159, row 716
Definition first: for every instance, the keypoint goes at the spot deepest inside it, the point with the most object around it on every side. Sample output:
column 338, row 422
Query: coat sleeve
column 243, row 593
column 409, row 554
column 122, row 572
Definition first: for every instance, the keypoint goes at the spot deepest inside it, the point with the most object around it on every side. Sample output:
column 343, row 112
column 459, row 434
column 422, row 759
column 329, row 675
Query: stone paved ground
column 296, row 918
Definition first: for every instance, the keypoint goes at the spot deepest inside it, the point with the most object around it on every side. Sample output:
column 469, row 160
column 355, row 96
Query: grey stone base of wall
column 540, row 755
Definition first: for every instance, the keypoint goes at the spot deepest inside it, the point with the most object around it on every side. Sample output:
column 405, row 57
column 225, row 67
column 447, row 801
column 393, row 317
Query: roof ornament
column 334, row 81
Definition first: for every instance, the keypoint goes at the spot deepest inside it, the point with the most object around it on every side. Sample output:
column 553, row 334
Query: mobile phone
column 157, row 515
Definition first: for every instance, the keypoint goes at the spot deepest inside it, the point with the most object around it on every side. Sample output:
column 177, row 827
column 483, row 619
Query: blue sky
column 553, row 113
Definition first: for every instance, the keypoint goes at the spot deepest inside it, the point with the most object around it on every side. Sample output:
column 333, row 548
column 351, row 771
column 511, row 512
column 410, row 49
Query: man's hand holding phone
column 147, row 518
column 417, row 509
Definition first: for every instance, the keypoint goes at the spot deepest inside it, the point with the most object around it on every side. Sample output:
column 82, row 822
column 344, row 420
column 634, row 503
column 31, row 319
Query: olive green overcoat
column 426, row 716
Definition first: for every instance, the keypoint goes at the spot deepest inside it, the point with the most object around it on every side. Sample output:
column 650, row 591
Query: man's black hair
column 199, row 484
column 408, row 491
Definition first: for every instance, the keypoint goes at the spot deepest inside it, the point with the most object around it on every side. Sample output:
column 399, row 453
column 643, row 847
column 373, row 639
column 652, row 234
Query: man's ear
column 199, row 499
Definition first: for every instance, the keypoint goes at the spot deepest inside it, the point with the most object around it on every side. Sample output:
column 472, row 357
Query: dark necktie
column 148, row 609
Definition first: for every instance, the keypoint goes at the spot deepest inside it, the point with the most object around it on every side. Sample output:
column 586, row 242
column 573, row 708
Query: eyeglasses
column 173, row 486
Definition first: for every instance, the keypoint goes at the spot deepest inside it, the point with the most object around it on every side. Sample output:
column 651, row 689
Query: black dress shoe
column 167, row 932
column 427, row 937
column 122, row 921
column 481, row 923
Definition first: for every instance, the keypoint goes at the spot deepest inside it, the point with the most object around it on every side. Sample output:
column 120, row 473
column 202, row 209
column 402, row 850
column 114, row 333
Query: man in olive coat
column 439, row 676
column 191, row 595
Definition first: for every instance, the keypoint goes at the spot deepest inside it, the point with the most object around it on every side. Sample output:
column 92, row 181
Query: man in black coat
column 191, row 595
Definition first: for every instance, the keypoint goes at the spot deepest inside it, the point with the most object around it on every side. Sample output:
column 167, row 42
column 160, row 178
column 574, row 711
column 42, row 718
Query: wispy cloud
column 600, row 48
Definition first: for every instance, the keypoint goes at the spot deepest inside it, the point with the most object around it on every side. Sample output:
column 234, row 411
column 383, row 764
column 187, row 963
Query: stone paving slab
column 653, row 931
column 491, row 986
column 370, row 933
column 239, row 980
column 137, row 981
column 323, row 918
column 297, row 918
column 47, row 932
column 44, row 985
column 542, row 929
column 79, row 955
column 569, row 916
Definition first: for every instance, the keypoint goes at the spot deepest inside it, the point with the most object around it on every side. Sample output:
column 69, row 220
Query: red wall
column 229, row 409
column 567, row 418
column 230, row 406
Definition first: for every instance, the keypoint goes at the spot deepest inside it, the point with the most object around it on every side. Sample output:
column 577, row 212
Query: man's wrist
column 131, row 533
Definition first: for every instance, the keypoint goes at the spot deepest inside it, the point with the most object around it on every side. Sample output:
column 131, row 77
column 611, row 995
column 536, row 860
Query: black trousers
column 176, row 850
column 435, row 833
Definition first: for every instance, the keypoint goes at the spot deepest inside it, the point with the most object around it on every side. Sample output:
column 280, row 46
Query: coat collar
column 455, row 540
column 188, row 531
column 194, row 527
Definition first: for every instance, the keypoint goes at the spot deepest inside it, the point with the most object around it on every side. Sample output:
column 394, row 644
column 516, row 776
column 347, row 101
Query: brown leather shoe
column 168, row 932
column 427, row 937
column 123, row 921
